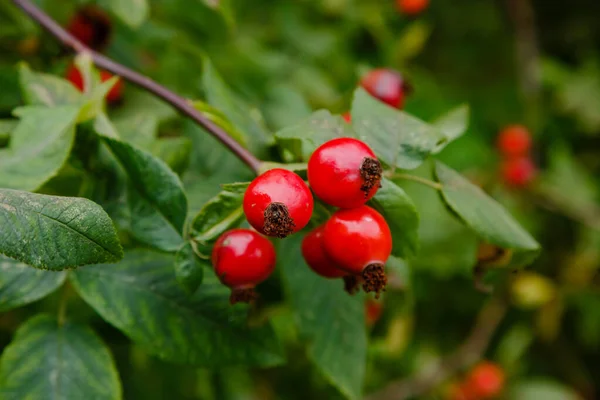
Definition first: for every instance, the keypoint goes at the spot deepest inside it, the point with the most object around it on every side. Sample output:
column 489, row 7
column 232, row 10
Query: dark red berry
column 347, row 117
column 518, row 172
column 315, row 256
column 344, row 173
column 485, row 381
column 412, row 7
column 359, row 241
column 514, row 141
column 278, row 203
column 242, row 258
column 91, row 26
column 386, row 85
column 114, row 95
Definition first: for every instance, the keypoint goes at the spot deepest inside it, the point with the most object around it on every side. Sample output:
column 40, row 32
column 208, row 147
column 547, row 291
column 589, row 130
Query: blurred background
column 529, row 62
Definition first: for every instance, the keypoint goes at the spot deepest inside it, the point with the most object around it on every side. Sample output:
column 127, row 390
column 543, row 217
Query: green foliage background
column 271, row 64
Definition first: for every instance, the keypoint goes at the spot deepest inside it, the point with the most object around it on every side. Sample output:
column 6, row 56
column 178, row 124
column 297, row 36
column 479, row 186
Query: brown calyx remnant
column 374, row 278
column 370, row 171
column 243, row 295
column 351, row 284
column 278, row 222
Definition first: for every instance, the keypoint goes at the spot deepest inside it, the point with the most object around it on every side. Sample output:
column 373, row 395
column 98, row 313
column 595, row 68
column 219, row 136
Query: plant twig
column 140, row 80
column 61, row 316
column 472, row 349
column 423, row 181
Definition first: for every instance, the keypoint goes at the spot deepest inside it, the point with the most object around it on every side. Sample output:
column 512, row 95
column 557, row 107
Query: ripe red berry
column 242, row 258
column 412, row 7
column 114, row 95
column 92, row 26
column 514, row 141
column 373, row 311
column 518, row 172
column 344, row 173
column 359, row 241
column 347, row 117
column 485, row 381
column 278, row 203
column 460, row 391
column 386, row 85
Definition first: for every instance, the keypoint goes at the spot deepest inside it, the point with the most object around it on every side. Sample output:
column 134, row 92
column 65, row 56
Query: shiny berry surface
column 386, row 85
column 314, row 254
column 357, row 237
column 278, row 203
column 412, row 7
column 344, row 173
column 518, row 172
column 514, row 141
column 243, row 258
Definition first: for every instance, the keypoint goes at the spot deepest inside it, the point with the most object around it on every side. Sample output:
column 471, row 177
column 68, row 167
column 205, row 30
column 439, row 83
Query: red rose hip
column 278, row 203
column 518, row 172
column 514, row 141
column 386, row 85
column 113, row 96
column 485, row 381
column 359, row 241
column 242, row 258
column 344, row 173
column 412, row 7
column 91, row 26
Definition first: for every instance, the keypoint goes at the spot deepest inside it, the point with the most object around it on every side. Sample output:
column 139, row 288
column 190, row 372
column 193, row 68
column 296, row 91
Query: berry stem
column 140, row 80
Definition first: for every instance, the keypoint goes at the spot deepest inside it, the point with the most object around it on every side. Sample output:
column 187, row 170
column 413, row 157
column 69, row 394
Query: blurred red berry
column 373, row 311
column 514, row 141
column 74, row 76
column 91, row 26
column 412, row 7
column 518, row 172
column 114, row 95
column 386, row 85
column 459, row 391
column 485, row 381
column 347, row 117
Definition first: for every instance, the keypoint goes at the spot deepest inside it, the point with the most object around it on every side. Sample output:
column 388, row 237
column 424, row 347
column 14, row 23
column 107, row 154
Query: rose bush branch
column 140, row 80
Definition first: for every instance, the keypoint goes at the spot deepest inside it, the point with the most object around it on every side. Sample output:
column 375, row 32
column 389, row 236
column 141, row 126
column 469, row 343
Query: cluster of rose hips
column 484, row 382
column 92, row 26
column 514, row 144
column 354, row 244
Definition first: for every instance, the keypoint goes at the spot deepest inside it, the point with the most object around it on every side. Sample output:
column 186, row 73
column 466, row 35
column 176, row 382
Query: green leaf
column 220, row 214
column 174, row 151
column 140, row 129
column 401, row 215
column 331, row 321
column 40, row 145
column 315, row 130
column 220, row 119
column 48, row 360
column 452, row 125
column 154, row 181
column 399, row 139
column 237, row 110
column 189, row 269
column 20, row 284
column 141, row 297
column 45, row 89
column 535, row 389
column 131, row 12
column 486, row 217
column 104, row 127
column 6, row 128
column 56, row 233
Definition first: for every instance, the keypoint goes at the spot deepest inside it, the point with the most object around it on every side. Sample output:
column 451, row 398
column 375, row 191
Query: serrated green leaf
column 315, row 130
column 237, row 110
column 397, row 138
column 486, row 217
column 452, row 125
column 48, row 360
column 20, row 284
column 189, row 269
column 131, row 12
column 153, row 180
column 220, row 214
column 331, row 321
column 401, row 215
column 40, row 146
column 56, row 233
column 141, row 297
column 45, row 89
